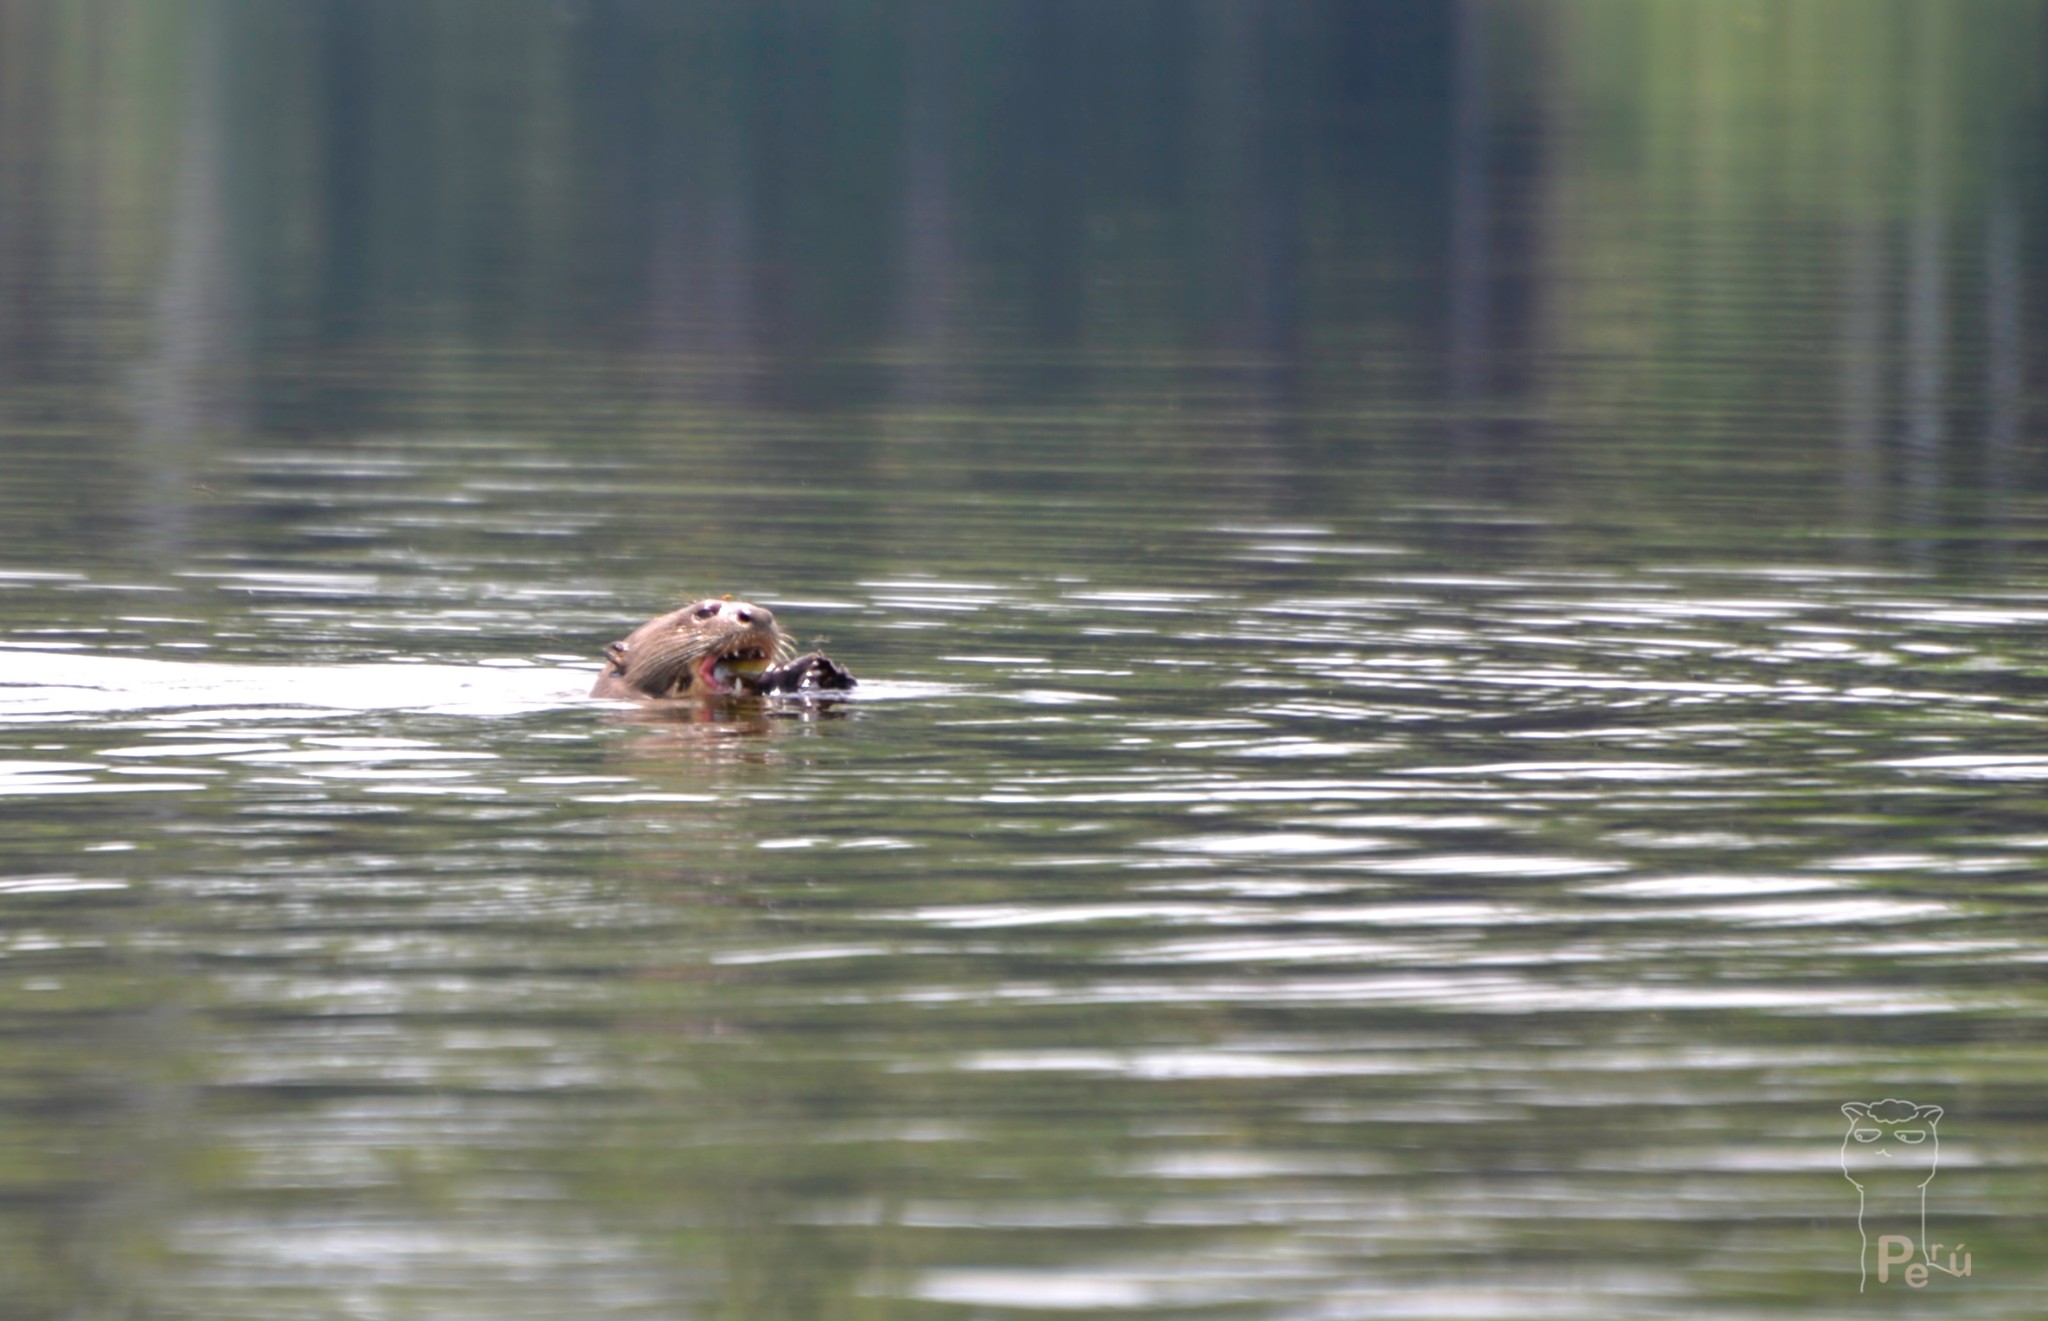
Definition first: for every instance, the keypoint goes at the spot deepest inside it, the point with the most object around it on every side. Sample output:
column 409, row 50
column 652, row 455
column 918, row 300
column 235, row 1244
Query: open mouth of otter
column 721, row 648
column 727, row 671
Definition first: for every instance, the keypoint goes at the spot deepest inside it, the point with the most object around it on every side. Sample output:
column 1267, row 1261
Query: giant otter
column 714, row 648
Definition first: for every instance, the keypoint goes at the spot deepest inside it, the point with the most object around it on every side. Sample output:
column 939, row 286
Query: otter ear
column 1856, row 1110
column 616, row 654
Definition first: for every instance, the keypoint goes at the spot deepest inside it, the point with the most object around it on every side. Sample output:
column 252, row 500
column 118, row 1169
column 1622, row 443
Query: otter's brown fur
column 712, row 648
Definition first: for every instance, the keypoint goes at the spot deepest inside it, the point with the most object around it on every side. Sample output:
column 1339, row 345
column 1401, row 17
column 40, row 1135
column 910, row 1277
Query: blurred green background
column 1774, row 259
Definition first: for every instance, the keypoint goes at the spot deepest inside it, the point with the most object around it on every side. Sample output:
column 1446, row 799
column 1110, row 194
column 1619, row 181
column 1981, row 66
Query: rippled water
column 1448, row 601
column 1491, row 942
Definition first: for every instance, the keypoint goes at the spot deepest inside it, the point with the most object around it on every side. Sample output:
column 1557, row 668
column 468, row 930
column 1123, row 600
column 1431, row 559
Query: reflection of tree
column 1242, row 248
column 1744, row 206
column 189, row 389
column 1470, row 314
column 1927, row 338
column 2004, row 368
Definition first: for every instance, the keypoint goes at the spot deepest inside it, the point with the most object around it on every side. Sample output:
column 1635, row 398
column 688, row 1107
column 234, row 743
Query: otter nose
column 752, row 614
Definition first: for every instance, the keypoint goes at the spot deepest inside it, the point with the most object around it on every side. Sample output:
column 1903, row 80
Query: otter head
column 701, row 650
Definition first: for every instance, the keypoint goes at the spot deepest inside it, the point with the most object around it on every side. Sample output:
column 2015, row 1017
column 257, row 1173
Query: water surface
column 1448, row 602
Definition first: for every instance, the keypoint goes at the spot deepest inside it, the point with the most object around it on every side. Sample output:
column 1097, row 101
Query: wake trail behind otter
column 59, row 683
column 45, row 683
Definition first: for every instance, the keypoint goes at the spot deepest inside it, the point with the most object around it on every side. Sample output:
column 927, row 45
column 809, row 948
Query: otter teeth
column 747, row 663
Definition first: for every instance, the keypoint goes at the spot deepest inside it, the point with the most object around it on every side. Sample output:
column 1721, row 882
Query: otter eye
column 705, row 611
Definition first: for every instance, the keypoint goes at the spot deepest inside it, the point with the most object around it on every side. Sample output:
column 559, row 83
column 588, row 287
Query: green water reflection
column 1448, row 596
column 1299, row 258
